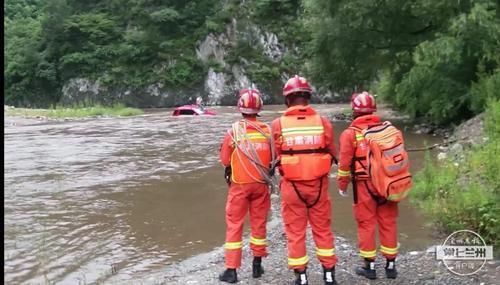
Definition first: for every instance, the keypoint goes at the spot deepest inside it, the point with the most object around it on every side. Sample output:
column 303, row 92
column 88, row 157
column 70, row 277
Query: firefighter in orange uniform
column 369, row 210
column 247, row 155
column 305, row 148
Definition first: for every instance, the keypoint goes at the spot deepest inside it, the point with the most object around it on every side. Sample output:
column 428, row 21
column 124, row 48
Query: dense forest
column 433, row 59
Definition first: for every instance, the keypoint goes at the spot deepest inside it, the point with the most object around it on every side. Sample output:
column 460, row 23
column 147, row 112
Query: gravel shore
column 416, row 267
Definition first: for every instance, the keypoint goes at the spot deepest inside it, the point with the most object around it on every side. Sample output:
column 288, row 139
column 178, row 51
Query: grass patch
column 117, row 110
column 466, row 194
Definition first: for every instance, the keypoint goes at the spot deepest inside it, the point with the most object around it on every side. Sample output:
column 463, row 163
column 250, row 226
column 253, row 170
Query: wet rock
column 471, row 131
column 340, row 117
column 423, row 129
column 213, row 47
column 456, row 150
column 441, row 156
column 214, row 85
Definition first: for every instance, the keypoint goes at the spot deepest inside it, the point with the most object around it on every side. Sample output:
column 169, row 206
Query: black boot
column 300, row 277
column 229, row 276
column 257, row 269
column 368, row 270
column 390, row 269
column 329, row 276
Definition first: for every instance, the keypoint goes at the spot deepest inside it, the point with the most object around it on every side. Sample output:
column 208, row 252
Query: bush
column 466, row 195
column 485, row 89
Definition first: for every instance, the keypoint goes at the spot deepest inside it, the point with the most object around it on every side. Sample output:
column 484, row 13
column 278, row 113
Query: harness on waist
column 304, row 151
column 304, row 200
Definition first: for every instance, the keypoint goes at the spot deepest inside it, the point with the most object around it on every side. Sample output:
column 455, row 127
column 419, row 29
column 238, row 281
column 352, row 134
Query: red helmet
column 250, row 101
column 296, row 84
column 363, row 103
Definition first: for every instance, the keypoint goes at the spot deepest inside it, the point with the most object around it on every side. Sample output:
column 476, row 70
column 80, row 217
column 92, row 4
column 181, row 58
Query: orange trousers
column 296, row 214
column 368, row 214
column 243, row 198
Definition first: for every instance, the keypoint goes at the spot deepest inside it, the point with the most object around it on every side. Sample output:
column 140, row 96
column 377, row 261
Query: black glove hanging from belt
column 334, row 160
column 227, row 175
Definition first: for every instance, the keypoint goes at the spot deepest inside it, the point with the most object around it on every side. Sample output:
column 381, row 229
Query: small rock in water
column 414, row 252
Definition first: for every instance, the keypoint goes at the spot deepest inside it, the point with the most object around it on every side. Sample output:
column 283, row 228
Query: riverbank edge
column 74, row 113
column 415, row 267
column 458, row 190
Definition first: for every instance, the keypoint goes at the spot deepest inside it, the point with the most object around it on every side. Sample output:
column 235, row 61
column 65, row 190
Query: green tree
column 422, row 56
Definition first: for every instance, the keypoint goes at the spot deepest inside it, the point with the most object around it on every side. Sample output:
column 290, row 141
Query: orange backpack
column 387, row 161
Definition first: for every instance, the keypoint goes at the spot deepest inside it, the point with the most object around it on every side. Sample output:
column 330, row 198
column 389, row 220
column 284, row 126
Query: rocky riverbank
column 463, row 138
column 415, row 267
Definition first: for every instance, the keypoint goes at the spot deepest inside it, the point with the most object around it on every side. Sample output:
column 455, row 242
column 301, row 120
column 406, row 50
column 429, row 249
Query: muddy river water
column 123, row 197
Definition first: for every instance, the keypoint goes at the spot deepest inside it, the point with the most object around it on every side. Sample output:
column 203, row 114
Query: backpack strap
column 356, row 158
column 379, row 200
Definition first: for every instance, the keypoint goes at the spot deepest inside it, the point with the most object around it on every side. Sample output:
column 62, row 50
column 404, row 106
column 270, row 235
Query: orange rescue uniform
column 368, row 210
column 248, row 191
column 304, row 145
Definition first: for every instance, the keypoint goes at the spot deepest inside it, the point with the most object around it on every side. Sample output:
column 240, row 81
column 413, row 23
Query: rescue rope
column 430, row 147
column 246, row 148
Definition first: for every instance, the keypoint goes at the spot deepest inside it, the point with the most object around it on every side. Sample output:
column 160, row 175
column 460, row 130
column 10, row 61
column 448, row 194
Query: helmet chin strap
column 249, row 115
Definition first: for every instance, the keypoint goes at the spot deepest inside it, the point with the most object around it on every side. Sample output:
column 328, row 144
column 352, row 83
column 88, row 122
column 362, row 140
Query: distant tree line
column 432, row 59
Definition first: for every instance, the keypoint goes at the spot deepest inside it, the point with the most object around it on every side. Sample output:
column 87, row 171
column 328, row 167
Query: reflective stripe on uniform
column 388, row 250
column 343, row 172
column 233, row 245
column 359, row 137
column 298, row 261
column 313, row 130
column 325, row 251
column 368, row 254
column 251, row 136
column 258, row 241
